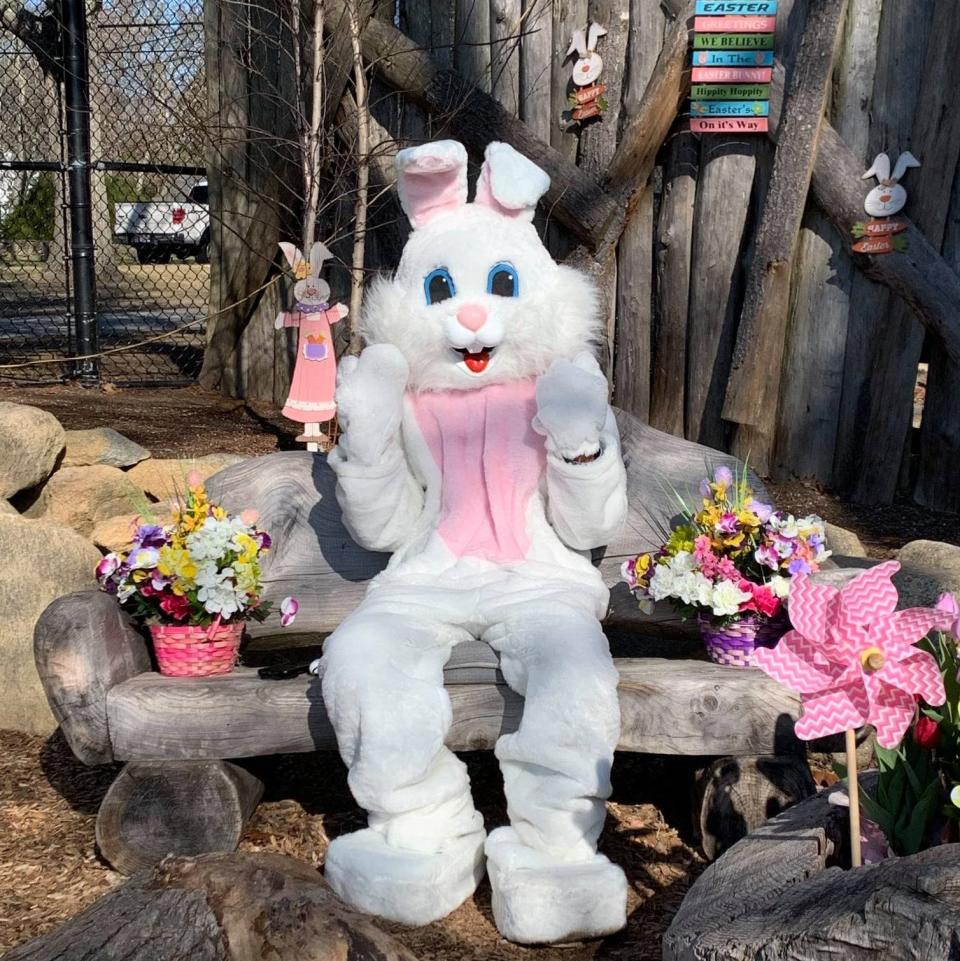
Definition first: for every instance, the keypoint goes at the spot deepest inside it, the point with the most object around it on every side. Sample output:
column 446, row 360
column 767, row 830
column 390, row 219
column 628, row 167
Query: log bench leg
column 738, row 794
column 156, row 808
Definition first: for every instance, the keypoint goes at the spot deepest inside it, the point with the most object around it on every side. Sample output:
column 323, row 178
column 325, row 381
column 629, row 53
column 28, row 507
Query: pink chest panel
column 490, row 460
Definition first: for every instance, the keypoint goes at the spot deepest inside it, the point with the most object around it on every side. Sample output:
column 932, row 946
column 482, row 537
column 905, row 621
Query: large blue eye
column 503, row 280
column 438, row 286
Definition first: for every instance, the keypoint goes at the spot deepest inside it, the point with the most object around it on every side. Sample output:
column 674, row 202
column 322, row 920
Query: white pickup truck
column 159, row 230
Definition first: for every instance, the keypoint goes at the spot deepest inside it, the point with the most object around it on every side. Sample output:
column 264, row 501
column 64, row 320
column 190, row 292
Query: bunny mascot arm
column 479, row 448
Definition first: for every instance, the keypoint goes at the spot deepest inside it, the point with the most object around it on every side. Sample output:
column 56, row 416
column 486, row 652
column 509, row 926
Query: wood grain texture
column 471, row 54
column 233, row 907
column 674, row 248
column 668, row 707
column 83, row 645
column 753, row 386
column 772, row 896
column 506, row 25
column 568, row 15
column 535, row 68
column 739, row 794
column 154, row 809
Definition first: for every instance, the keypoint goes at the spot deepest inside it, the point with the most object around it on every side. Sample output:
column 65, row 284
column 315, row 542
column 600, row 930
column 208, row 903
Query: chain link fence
column 147, row 106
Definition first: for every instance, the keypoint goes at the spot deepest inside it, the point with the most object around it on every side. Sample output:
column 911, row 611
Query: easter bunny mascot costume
column 478, row 447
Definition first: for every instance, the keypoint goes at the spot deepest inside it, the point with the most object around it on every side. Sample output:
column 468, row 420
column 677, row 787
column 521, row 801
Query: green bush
column 32, row 218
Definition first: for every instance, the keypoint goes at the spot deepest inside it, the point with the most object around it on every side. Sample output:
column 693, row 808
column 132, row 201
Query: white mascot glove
column 370, row 391
column 572, row 407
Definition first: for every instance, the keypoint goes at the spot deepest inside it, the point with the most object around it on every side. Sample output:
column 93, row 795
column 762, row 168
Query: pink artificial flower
column 288, row 611
column 249, row 516
column 176, row 605
column 194, row 479
column 728, row 570
column 947, row 603
column 108, row 566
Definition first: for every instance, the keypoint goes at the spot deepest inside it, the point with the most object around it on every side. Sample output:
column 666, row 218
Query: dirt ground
column 190, row 421
column 50, row 869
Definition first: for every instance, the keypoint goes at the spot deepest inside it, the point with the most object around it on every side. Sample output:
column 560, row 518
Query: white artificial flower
column 780, row 585
column 727, row 598
column 683, row 562
column 694, row 588
column 662, row 582
column 219, row 594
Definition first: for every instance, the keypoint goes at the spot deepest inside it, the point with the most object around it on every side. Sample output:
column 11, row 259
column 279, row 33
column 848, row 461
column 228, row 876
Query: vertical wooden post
column 536, row 52
column 506, row 22
column 472, row 51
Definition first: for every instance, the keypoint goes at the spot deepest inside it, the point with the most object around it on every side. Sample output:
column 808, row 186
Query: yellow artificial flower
column 247, row 548
column 176, row 562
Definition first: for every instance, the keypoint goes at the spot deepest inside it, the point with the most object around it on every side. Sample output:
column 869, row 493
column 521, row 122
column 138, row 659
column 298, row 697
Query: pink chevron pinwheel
column 851, row 656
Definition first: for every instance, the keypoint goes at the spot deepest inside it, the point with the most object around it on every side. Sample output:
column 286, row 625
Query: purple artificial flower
column 263, row 539
column 763, row 511
column 799, row 566
column 949, row 603
column 767, row 556
column 729, row 524
column 107, row 567
column 149, row 535
column 723, row 475
column 143, row 559
column 705, row 490
column 288, row 611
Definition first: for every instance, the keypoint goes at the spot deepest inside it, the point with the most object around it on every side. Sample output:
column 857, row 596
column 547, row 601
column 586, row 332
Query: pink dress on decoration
column 310, row 400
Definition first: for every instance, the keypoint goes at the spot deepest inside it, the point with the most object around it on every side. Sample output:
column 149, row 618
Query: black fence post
column 76, row 84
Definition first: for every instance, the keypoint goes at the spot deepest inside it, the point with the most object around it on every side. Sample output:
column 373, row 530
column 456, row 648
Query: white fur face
column 476, row 337
column 884, row 201
column 587, row 69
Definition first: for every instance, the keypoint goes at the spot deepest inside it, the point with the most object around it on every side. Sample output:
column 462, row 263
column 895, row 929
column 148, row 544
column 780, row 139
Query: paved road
column 112, row 325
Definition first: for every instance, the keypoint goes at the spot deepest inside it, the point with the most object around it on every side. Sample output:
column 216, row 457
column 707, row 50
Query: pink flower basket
column 734, row 644
column 186, row 650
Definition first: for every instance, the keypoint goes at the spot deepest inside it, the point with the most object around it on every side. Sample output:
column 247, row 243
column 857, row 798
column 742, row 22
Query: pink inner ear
column 431, row 187
column 485, row 195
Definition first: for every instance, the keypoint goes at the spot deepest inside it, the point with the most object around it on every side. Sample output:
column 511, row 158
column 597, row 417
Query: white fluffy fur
column 555, row 315
column 382, row 668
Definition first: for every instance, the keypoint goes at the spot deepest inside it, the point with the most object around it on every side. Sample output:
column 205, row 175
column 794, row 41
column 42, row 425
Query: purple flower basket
column 733, row 645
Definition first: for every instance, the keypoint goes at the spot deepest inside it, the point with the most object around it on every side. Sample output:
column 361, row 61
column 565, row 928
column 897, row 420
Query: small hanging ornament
column 586, row 100
column 310, row 401
column 879, row 234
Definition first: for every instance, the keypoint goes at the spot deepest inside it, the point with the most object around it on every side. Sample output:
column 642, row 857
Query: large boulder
column 79, row 497
column 102, row 445
column 844, row 543
column 7, row 508
column 31, row 441
column 933, row 559
column 39, row 561
column 167, row 479
column 115, row 533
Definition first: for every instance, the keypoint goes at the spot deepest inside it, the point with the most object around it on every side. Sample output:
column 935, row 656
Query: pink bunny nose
column 886, row 198
column 472, row 316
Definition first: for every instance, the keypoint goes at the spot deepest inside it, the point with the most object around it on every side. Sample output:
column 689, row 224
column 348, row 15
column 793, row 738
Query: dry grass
column 51, row 870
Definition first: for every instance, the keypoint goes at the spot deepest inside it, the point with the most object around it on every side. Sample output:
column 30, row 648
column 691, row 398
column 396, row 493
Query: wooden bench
column 178, row 792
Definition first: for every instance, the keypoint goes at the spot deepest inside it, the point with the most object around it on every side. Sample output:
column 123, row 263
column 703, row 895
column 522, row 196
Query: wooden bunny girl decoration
column 310, row 401
column 587, row 98
column 878, row 235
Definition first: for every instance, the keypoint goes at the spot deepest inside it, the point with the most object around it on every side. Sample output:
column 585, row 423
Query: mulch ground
column 50, row 869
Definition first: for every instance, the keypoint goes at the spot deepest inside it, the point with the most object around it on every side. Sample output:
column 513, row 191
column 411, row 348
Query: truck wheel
column 161, row 257
column 203, row 251
column 145, row 255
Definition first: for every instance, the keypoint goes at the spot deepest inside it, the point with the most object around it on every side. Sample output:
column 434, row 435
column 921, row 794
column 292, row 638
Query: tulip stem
column 853, row 792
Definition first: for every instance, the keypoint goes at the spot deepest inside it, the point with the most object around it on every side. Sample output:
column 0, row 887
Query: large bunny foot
column 538, row 899
column 403, row 885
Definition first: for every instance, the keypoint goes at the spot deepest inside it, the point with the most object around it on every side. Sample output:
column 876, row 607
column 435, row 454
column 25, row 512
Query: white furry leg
column 422, row 854
column 538, row 899
column 549, row 884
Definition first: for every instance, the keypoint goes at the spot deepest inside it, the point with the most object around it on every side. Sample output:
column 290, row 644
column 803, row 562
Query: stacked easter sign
column 732, row 66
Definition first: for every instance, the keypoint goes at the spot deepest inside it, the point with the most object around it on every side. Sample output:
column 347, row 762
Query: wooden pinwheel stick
column 853, row 792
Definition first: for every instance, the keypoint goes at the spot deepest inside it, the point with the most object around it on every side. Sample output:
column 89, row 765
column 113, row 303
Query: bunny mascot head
column 478, row 448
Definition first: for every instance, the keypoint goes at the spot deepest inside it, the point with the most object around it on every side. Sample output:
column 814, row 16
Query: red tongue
column 477, row 362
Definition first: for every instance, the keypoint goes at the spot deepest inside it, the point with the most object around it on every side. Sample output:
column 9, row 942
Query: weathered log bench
column 178, row 793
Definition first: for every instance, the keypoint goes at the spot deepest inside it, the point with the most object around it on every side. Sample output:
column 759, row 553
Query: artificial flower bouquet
column 194, row 582
column 729, row 565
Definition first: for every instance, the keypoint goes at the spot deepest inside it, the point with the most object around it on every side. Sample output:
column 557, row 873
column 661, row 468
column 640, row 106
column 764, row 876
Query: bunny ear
column 579, row 43
column 904, row 162
column 292, row 253
column 510, row 183
column 318, row 254
column 596, row 32
column 880, row 168
column 431, row 180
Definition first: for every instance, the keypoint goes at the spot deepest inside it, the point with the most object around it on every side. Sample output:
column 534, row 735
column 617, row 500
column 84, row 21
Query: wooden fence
column 842, row 393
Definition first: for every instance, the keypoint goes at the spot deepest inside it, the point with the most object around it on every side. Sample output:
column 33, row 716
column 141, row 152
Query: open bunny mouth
column 475, row 361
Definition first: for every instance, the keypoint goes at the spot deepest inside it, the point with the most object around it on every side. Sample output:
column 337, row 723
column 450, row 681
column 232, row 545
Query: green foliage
column 908, row 796
column 32, row 217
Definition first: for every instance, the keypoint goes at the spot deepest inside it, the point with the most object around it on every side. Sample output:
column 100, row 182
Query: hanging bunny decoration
column 310, row 401
column 587, row 98
column 886, row 199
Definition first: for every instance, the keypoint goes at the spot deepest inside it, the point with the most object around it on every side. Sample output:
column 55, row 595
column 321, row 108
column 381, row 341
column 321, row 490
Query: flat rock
column 80, row 497
column 917, row 586
column 39, row 561
column 844, row 542
column 115, row 533
column 7, row 508
column 102, row 445
column 219, row 907
column 167, row 479
column 31, row 441
column 934, row 559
